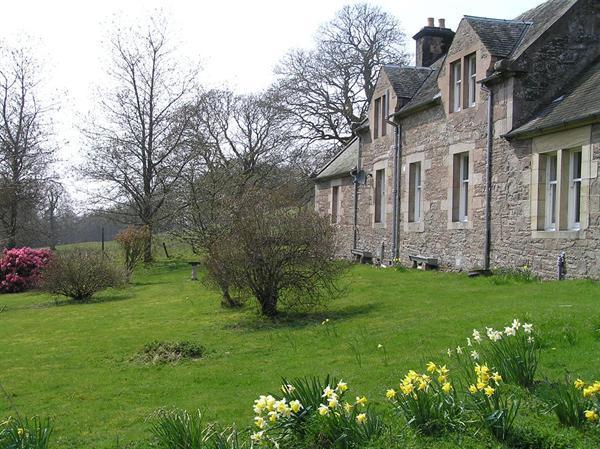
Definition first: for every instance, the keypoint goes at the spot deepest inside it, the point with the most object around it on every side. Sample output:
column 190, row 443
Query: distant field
column 72, row 362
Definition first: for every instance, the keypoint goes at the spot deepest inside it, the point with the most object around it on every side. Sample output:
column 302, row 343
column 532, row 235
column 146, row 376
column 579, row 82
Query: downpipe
column 487, row 242
column 396, row 186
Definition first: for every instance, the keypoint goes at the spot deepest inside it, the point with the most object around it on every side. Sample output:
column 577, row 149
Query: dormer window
column 471, row 63
column 456, row 85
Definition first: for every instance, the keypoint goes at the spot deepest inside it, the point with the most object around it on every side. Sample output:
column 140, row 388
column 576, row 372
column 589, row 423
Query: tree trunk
column 148, row 248
column 268, row 304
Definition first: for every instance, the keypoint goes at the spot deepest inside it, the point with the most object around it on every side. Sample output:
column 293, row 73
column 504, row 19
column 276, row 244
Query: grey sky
column 238, row 42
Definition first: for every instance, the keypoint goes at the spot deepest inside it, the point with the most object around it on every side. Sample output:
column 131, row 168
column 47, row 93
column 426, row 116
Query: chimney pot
column 430, row 22
column 442, row 23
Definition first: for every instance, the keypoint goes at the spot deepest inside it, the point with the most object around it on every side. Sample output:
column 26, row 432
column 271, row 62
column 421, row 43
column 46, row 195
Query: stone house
column 483, row 155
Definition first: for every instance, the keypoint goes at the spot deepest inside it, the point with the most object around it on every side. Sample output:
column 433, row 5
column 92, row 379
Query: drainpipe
column 396, row 186
column 488, row 178
column 358, row 168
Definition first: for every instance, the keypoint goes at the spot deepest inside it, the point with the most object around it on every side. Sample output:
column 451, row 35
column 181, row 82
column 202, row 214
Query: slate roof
column 580, row 102
column 406, row 80
column 541, row 18
column 342, row 163
column 427, row 93
column 499, row 36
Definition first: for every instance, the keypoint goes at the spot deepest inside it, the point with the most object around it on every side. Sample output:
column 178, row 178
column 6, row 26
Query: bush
column 20, row 268
column 170, row 352
column 278, row 254
column 133, row 242
column 79, row 274
column 17, row 433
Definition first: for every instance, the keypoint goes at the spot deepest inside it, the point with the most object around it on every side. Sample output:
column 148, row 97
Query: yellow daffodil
column 588, row 391
column 446, row 387
column 489, row 391
column 431, row 367
column 361, row 418
column 260, row 422
column 323, row 410
column 347, row 407
column 442, row 379
column 257, row 436
column 342, row 386
column 591, row 415
column 579, row 384
column 20, row 431
column 328, row 392
column 362, row 400
column 472, row 389
column 332, row 402
column 273, row 416
column 497, row 377
column 390, row 394
column 295, row 406
column 443, row 370
column 481, row 385
column 407, row 389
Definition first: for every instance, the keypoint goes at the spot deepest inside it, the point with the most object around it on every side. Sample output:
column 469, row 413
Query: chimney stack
column 432, row 42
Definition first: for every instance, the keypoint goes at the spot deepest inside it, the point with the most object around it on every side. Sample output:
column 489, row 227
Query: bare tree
column 25, row 153
column 137, row 150
column 327, row 88
column 54, row 198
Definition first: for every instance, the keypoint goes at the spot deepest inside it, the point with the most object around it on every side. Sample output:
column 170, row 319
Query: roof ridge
column 407, row 67
column 525, row 22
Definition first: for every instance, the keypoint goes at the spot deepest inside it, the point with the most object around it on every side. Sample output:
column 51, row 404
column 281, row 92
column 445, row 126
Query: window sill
column 414, row 226
column 569, row 234
column 379, row 225
column 459, row 225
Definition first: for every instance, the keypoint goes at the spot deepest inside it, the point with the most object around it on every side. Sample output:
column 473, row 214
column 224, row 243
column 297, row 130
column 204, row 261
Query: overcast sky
column 238, row 42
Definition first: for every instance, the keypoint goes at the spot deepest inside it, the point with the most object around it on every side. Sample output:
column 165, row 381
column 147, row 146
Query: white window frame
column 551, row 213
column 471, row 62
column 456, row 77
column 575, row 178
column 463, row 204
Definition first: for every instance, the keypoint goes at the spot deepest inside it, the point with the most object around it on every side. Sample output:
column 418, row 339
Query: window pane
column 334, row 203
column 384, row 113
column 456, row 79
column 379, row 195
column 472, row 79
column 376, row 118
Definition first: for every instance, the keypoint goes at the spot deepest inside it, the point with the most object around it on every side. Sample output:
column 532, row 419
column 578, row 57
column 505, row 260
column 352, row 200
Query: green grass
column 72, row 362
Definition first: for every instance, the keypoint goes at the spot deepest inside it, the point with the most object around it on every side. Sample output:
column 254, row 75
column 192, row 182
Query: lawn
column 73, row 362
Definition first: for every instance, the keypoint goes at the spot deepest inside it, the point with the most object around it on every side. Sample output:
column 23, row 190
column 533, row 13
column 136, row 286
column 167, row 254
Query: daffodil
column 328, row 392
column 472, row 389
column 591, row 415
column 527, row 328
column 347, row 407
column 474, row 355
column 516, row 324
column 332, row 402
column 295, row 406
column 361, row 418
column 390, row 394
column 342, row 386
column 476, row 336
column 497, row 377
column 273, row 416
column 260, row 422
column 489, row 391
column 510, row 331
column 447, row 387
column 459, row 350
column 362, row 400
column 579, row 384
column 323, row 410
column 431, row 367
column 257, row 436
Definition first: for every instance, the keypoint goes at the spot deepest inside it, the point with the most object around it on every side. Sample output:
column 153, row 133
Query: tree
column 53, row 199
column 239, row 142
column 327, row 89
column 25, row 154
column 138, row 150
column 277, row 252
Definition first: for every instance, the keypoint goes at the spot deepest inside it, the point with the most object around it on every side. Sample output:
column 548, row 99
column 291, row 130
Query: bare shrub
column 133, row 241
column 79, row 274
column 278, row 253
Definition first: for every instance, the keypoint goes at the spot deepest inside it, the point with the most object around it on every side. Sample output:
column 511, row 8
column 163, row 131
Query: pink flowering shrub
column 20, row 268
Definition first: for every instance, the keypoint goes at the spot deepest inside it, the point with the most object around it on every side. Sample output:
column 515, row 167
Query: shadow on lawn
column 121, row 296
column 295, row 319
